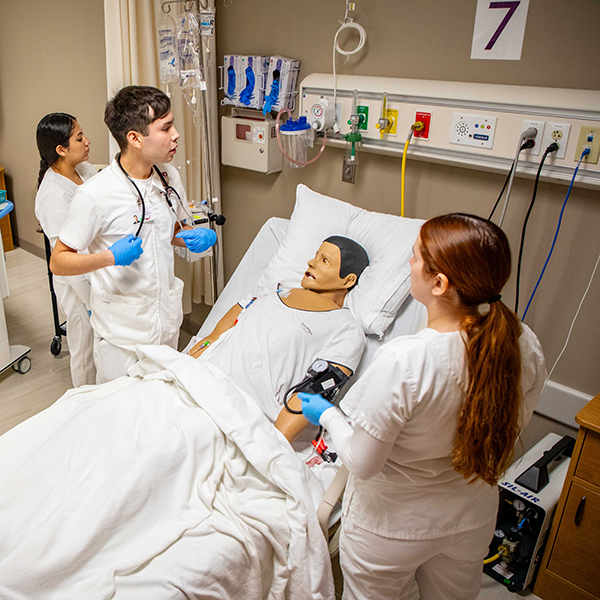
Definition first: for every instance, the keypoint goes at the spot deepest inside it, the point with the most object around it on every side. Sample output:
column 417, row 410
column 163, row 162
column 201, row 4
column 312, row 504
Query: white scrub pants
column 113, row 361
column 80, row 336
column 446, row 568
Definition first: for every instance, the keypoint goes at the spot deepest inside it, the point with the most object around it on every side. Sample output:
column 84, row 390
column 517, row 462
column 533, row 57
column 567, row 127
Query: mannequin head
column 336, row 267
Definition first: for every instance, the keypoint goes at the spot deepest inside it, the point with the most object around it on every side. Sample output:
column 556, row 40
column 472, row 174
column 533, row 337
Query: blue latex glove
column 272, row 98
column 126, row 250
column 246, row 94
column 199, row 239
column 230, row 81
column 313, row 406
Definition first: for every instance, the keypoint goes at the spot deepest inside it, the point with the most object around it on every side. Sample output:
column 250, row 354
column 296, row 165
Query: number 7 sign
column 499, row 29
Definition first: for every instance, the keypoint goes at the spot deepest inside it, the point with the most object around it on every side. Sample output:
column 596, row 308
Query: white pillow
column 388, row 240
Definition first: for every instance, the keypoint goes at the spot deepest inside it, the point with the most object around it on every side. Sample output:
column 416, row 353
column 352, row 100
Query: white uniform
column 418, row 513
column 73, row 293
column 272, row 346
column 140, row 303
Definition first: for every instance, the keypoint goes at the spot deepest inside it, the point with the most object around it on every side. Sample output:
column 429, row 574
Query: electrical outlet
column 559, row 133
column 589, row 137
column 539, row 125
column 425, row 118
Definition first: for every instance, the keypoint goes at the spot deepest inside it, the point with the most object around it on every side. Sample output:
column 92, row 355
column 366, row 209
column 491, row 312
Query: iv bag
column 167, row 36
column 188, row 49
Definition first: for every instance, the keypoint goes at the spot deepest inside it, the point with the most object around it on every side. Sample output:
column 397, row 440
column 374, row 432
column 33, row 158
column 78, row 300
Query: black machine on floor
column 529, row 494
column 60, row 329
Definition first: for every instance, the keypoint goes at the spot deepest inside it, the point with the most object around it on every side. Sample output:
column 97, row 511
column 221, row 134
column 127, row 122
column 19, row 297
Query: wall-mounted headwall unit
column 471, row 125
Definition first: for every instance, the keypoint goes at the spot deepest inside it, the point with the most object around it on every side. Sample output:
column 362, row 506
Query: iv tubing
column 296, row 162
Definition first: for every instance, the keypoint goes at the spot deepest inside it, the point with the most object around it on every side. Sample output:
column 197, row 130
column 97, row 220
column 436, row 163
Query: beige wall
column 52, row 59
column 431, row 39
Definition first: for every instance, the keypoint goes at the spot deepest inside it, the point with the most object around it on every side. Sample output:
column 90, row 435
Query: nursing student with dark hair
column 64, row 151
column 436, row 417
column 127, row 219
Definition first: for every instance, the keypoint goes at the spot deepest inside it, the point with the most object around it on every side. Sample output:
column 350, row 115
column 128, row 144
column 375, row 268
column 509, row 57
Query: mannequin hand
column 199, row 239
column 313, row 406
column 126, row 250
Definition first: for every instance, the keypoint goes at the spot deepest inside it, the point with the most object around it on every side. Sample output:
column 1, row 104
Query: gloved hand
column 199, row 239
column 313, row 406
column 126, row 250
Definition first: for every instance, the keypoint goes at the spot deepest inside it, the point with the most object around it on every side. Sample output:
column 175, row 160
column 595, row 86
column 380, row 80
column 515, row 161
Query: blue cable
column 583, row 154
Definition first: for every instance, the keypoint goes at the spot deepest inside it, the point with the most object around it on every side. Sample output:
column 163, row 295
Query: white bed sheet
column 169, row 483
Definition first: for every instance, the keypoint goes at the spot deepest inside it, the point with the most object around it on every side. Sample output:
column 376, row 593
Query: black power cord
column 525, row 146
column 553, row 147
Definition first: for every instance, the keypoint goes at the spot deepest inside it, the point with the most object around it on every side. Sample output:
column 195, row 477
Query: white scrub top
column 54, row 198
column 140, row 303
column 272, row 346
column 411, row 395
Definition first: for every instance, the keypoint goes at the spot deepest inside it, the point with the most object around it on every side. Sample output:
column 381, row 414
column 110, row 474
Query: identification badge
column 136, row 216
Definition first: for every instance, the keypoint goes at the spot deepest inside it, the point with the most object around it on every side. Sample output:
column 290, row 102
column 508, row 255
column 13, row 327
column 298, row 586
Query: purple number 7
column 512, row 7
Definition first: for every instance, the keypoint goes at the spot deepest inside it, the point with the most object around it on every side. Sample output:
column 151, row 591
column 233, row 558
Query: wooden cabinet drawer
column 588, row 465
column 577, row 546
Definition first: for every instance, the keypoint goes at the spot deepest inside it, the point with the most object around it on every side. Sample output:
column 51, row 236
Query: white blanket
column 169, row 483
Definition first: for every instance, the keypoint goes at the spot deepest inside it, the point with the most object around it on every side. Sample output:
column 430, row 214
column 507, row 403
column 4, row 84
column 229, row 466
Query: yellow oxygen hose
column 417, row 126
column 491, row 559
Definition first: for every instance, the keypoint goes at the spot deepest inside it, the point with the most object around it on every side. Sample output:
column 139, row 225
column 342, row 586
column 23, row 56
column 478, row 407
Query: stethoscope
column 167, row 190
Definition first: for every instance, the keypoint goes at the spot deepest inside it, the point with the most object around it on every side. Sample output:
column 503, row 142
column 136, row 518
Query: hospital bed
column 121, row 518
column 336, row 218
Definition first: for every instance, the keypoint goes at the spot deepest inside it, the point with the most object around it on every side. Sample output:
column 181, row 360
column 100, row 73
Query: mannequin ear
column 135, row 139
column 440, row 284
column 350, row 280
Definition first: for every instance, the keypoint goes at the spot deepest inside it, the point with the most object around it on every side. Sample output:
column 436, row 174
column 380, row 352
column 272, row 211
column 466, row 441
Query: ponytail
column 474, row 255
column 53, row 130
column 44, row 166
column 489, row 422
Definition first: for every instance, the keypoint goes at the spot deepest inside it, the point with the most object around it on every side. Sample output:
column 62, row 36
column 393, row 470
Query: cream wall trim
column 509, row 104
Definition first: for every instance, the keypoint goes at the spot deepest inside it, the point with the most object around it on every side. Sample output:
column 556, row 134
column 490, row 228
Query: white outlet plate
column 539, row 125
column 559, row 133
column 472, row 130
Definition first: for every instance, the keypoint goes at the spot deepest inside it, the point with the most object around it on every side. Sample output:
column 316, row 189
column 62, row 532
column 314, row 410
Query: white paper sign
column 499, row 29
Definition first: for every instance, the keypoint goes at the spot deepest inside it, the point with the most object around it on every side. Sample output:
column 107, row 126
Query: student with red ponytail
column 436, row 417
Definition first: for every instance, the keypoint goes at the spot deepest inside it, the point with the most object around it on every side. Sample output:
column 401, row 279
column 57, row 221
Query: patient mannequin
column 267, row 344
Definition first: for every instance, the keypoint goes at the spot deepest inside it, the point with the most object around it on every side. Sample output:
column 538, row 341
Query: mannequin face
column 323, row 273
column 78, row 150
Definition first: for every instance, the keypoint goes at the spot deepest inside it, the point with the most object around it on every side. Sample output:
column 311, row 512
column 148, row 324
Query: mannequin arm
column 227, row 322
column 291, row 425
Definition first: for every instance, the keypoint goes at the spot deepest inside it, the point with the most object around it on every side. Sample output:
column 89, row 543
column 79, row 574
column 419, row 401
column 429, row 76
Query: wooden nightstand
column 5, row 228
column 570, row 568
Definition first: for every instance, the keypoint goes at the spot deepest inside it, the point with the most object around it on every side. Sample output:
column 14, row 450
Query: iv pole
column 209, row 140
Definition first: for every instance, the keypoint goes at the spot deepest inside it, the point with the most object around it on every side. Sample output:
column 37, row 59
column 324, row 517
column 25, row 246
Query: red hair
column 473, row 253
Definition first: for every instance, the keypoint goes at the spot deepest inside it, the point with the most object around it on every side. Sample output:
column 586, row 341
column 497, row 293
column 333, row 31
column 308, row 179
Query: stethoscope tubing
column 167, row 188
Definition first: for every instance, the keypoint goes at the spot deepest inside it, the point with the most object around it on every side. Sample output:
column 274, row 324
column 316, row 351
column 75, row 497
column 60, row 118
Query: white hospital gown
column 272, row 346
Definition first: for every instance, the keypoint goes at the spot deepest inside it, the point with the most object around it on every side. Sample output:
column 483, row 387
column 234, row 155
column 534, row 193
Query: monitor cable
column 583, row 155
column 553, row 147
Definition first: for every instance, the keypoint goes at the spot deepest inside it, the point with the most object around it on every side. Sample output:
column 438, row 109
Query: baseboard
column 31, row 248
column 561, row 403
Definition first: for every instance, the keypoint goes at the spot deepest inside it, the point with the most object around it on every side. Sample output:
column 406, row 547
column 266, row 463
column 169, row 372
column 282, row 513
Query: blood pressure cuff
column 323, row 378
